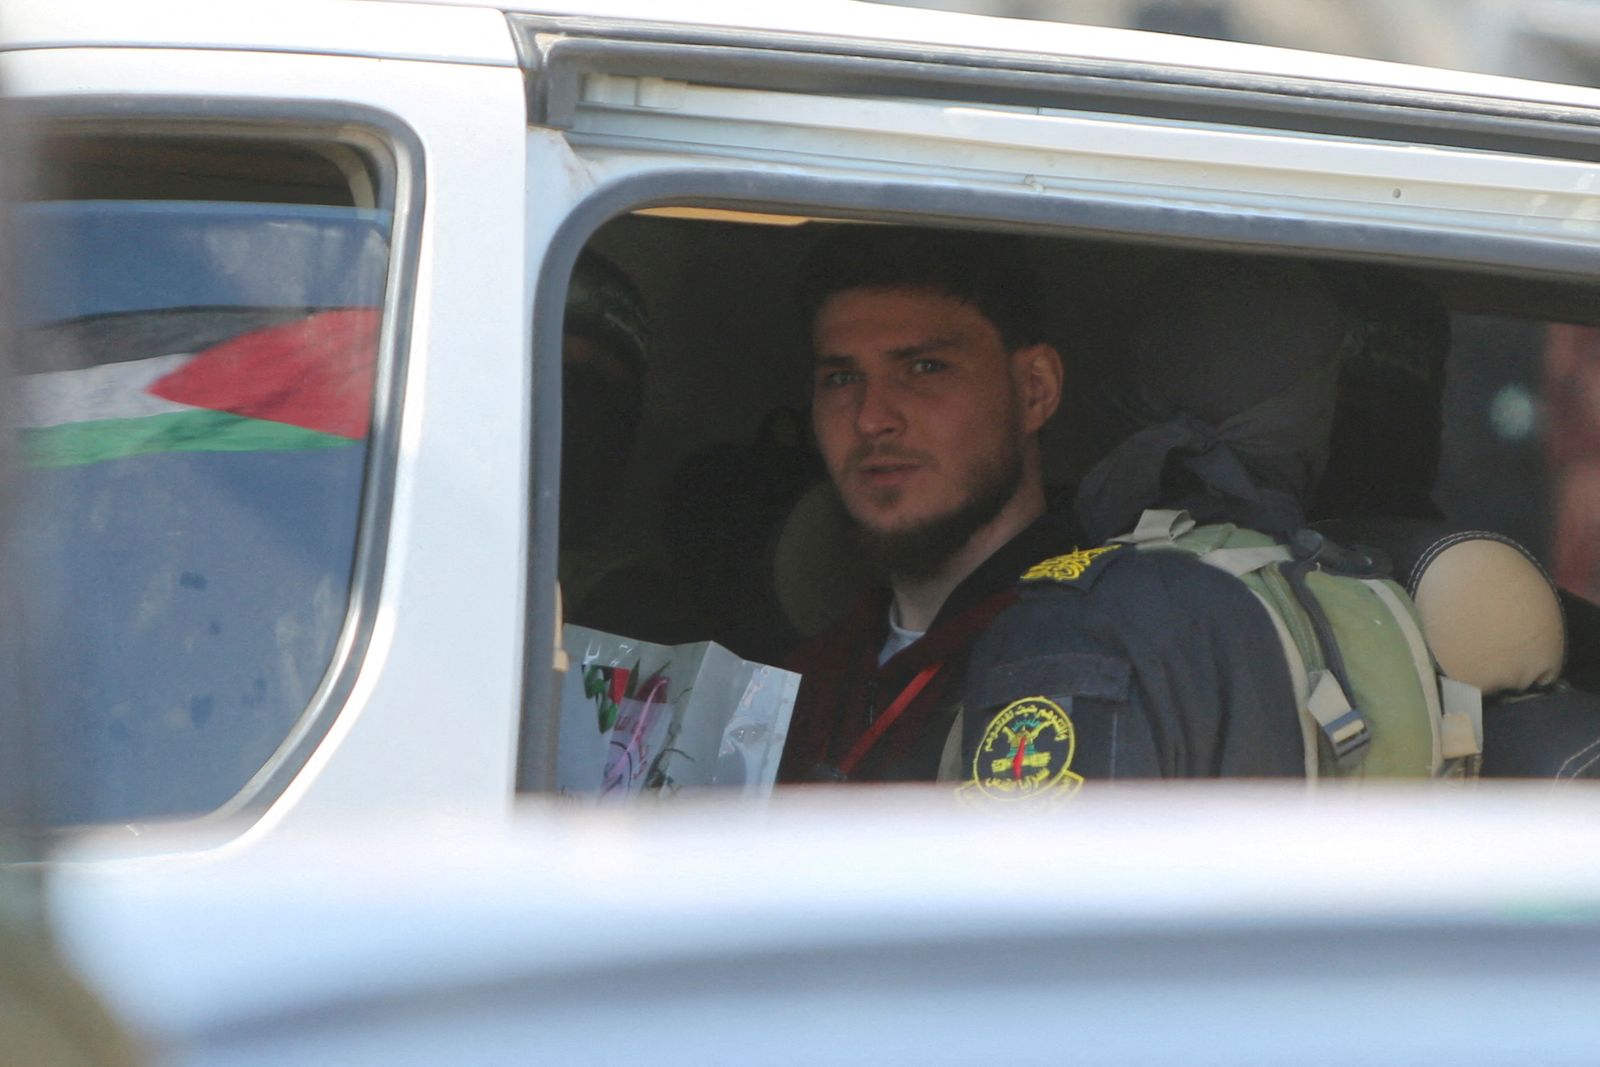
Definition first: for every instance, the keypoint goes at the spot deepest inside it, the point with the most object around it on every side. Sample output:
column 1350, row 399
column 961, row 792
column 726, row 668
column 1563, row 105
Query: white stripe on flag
column 109, row 391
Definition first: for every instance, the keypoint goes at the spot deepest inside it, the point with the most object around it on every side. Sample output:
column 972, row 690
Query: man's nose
column 879, row 412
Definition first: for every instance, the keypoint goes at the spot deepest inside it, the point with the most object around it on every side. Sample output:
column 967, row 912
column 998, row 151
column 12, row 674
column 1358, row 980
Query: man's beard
column 922, row 551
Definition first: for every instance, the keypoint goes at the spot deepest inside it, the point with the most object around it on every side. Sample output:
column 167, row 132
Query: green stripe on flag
column 78, row 443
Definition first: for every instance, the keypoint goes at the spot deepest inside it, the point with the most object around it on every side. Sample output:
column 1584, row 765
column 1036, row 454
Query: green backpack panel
column 1372, row 703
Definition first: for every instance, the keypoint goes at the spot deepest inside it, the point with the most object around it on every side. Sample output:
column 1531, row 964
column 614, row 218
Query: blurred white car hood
column 236, row 945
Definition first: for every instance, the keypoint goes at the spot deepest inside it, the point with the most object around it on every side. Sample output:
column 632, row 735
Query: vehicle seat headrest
column 817, row 566
column 1490, row 613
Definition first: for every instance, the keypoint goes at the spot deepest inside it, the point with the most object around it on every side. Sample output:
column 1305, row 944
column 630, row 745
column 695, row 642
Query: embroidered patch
column 1067, row 568
column 1026, row 752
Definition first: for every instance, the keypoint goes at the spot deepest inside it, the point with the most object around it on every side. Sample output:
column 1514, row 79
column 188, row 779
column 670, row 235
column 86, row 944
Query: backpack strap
column 1156, row 526
column 1242, row 561
column 1323, row 700
column 1159, row 527
column 1321, row 596
column 1343, row 725
column 1461, row 728
column 1301, row 682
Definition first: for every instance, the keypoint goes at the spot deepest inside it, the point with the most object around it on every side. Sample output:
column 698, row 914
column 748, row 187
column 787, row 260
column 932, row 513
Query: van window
column 1471, row 413
column 194, row 403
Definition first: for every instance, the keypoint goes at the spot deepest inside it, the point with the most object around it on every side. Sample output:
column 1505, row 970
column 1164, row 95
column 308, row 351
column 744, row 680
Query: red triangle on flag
column 316, row 373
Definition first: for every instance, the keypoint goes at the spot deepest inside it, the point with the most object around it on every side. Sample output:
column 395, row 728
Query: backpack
column 1372, row 701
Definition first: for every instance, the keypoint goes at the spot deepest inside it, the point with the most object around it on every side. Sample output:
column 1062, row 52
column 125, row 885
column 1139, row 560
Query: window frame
column 557, row 51
column 393, row 154
column 742, row 187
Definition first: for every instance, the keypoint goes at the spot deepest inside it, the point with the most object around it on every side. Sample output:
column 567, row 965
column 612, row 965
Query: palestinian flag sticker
column 300, row 385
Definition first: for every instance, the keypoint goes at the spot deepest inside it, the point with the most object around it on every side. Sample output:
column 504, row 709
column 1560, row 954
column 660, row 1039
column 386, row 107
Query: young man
column 931, row 383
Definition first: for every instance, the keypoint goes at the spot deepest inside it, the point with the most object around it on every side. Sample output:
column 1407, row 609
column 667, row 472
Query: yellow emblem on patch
column 1067, row 568
column 1027, row 752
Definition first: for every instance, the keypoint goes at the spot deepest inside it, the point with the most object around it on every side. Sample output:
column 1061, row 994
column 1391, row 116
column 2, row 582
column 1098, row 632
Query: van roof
column 423, row 29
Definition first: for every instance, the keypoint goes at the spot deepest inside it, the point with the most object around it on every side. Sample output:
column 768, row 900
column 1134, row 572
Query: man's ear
column 1039, row 379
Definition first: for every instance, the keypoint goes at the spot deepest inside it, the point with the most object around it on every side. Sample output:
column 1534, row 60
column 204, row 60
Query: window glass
column 1569, row 407
column 1522, row 447
column 201, row 324
column 1468, row 405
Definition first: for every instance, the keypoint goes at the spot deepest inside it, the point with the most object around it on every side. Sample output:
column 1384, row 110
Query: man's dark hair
column 989, row 271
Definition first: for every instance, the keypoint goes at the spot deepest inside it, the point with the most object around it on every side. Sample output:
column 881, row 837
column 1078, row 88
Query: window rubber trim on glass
column 556, row 51
column 394, row 153
column 1062, row 215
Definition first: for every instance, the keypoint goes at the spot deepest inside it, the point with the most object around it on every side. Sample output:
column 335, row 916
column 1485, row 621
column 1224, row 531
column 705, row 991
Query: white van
column 290, row 389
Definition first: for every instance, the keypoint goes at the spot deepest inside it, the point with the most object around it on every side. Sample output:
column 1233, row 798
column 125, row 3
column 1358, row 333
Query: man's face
column 918, row 410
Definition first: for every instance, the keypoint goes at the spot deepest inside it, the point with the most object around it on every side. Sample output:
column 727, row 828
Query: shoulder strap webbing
column 1159, row 527
column 1301, row 683
column 1342, row 724
column 1324, row 704
column 1242, row 561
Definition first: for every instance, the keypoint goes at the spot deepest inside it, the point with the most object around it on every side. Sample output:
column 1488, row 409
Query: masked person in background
column 609, row 581
column 1226, row 405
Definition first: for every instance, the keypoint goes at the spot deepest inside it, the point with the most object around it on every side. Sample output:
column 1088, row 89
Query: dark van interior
column 1478, row 409
column 1468, row 412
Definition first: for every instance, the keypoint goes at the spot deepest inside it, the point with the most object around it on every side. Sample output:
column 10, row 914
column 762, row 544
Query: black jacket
column 843, row 689
column 1121, row 663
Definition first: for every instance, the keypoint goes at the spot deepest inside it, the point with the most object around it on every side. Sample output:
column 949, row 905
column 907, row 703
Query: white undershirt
column 899, row 638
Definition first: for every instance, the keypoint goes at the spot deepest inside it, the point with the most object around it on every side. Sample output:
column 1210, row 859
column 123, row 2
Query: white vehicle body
column 1196, row 924
column 515, row 133
column 277, row 924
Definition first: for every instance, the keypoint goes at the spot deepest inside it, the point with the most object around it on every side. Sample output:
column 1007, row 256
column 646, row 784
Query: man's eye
column 834, row 379
column 927, row 366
